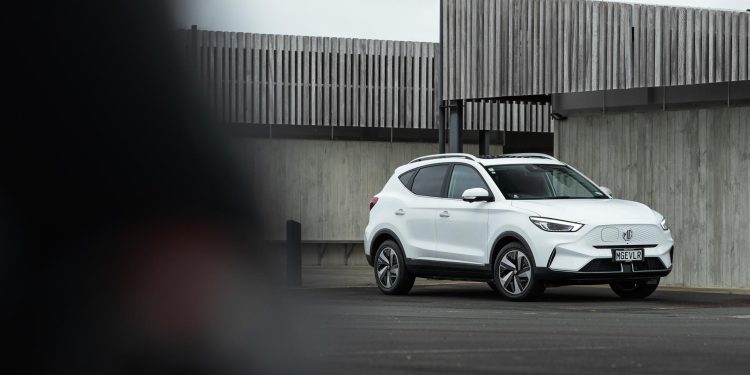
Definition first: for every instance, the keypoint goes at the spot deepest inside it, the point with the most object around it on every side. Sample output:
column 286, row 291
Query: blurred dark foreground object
column 126, row 230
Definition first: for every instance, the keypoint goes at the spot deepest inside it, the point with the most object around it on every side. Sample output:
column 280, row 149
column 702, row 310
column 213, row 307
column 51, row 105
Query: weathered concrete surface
column 325, row 185
column 467, row 328
column 693, row 166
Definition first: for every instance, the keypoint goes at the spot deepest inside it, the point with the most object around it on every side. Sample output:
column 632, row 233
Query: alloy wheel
column 388, row 267
column 515, row 272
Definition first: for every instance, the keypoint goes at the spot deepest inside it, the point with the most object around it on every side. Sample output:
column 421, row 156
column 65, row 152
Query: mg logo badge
column 627, row 235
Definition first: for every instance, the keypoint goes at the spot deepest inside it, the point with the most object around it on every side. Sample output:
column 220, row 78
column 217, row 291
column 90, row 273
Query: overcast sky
column 372, row 19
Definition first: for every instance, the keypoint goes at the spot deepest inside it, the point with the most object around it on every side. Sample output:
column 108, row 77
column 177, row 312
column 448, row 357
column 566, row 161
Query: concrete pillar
column 294, row 253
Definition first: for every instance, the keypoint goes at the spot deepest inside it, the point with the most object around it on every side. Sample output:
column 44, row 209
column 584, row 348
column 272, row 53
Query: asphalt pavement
column 462, row 327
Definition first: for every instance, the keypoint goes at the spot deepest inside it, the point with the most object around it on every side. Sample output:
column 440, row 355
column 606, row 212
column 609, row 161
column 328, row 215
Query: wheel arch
column 380, row 237
column 506, row 238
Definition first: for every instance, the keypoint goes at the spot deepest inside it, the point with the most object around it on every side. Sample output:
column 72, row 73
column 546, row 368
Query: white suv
column 520, row 222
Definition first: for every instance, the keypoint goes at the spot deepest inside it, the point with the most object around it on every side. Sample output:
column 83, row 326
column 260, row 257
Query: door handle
column 400, row 212
column 445, row 214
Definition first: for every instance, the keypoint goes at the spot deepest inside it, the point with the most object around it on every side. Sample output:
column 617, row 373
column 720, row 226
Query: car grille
column 601, row 265
column 651, row 264
column 612, row 234
column 606, row 265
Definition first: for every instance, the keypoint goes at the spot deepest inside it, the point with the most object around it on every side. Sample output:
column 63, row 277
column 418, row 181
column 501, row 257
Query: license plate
column 627, row 255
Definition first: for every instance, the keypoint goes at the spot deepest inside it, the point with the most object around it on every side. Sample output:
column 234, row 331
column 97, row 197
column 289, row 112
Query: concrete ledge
column 343, row 276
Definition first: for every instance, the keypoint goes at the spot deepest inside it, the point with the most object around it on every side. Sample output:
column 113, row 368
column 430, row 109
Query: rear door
column 461, row 227
column 420, row 210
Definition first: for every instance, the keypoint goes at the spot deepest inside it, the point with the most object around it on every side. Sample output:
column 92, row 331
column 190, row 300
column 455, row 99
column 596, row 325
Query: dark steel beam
column 515, row 98
column 349, row 133
column 735, row 93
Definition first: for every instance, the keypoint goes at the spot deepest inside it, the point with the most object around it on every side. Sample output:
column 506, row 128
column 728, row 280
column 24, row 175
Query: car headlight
column 554, row 225
column 663, row 224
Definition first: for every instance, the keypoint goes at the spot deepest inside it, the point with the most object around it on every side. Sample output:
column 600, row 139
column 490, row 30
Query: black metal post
column 441, row 133
column 484, row 142
column 440, row 111
column 294, row 253
column 455, row 123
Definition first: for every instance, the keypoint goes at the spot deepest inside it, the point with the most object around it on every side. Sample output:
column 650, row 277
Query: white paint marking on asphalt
column 741, row 316
column 462, row 351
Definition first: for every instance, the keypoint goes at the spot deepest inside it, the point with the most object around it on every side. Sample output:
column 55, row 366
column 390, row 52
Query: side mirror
column 606, row 190
column 476, row 195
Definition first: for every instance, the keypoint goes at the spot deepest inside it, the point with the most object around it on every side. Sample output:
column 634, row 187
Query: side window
column 429, row 181
column 406, row 178
column 464, row 177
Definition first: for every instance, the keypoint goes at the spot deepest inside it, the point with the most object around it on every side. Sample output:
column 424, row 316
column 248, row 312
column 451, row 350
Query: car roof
column 484, row 160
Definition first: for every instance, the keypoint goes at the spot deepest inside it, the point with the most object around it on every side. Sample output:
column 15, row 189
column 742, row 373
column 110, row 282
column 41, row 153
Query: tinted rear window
column 406, row 178
column 429, row 181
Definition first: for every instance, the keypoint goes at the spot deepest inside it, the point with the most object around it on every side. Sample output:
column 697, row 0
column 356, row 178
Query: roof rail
column 443, row 156
column 520, row 155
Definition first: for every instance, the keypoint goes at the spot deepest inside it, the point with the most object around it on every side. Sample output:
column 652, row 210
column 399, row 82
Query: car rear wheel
column 634, row 289
column 390, row 269
column 514, row 273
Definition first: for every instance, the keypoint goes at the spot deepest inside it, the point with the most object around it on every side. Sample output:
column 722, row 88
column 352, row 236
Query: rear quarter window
column 429, row 180
column 406, row 178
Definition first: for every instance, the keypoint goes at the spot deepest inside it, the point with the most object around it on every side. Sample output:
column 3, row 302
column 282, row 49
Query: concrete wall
column 693, row 166
column 325, row 185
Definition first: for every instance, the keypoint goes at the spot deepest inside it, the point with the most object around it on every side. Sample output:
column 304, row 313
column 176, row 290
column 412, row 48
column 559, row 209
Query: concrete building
column 651, row 101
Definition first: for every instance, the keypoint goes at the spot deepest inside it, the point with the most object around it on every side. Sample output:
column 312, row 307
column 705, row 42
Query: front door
column 461, row 227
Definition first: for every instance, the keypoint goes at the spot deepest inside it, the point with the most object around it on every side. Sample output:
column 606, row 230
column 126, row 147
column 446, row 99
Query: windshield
column 542, row 181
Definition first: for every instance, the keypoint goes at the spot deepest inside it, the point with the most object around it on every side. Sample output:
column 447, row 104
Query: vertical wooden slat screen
column 527, row 47
column 302, row 80
column 490, row 114
column 493, row 48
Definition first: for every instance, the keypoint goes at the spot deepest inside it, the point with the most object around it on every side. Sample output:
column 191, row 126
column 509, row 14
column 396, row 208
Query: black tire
column 634, row 289
column 388, row 283
column 528, row 287
column 492, row 285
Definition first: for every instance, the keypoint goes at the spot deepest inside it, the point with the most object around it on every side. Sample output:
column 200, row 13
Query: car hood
column 588, row 211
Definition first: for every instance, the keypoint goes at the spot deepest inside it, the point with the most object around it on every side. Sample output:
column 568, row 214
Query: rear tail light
column 373, row 201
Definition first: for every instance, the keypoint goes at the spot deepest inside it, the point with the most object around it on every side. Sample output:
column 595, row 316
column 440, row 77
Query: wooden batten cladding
column 499, row 48
column 303, row 80
column 320, row 81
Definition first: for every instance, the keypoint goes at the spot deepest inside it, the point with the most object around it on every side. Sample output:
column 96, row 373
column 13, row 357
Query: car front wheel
column 514, row 273
column 634, row 289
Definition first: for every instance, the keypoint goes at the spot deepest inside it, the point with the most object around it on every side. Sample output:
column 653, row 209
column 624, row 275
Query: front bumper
column 563, row 277
column 571, row 252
